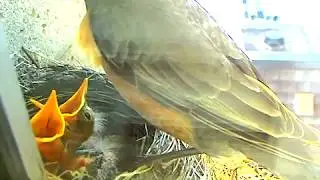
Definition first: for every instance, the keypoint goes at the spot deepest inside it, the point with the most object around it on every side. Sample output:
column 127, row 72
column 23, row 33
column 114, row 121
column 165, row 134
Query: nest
column 200, row 166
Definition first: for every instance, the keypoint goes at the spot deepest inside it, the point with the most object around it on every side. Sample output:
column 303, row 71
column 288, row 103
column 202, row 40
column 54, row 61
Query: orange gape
column 86, row 43
column 49, row 125
column 71, row 108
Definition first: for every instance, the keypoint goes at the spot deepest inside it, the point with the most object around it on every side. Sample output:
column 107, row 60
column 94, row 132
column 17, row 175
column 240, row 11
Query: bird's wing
column 176, row 54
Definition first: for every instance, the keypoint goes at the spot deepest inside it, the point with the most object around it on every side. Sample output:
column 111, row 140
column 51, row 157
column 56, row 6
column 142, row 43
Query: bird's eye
column 87, row 115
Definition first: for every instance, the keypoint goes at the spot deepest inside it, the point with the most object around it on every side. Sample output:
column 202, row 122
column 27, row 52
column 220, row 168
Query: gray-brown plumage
column 183, row 74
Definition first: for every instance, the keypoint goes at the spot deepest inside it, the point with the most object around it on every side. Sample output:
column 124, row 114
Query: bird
column 48, row 126
column 175, row 66
column 78, row 118
column 114, row 145
column 59, row 130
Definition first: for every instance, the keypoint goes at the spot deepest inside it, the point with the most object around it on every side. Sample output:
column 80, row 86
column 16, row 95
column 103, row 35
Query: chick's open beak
column 48, row 126
column 48, row 123
column 71, row 108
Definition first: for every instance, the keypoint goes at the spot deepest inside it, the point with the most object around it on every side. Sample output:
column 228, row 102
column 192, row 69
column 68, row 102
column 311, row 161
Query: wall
column 288, row 78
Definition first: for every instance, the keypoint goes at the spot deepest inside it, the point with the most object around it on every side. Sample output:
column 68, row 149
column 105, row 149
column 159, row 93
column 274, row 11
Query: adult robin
column 178, row 69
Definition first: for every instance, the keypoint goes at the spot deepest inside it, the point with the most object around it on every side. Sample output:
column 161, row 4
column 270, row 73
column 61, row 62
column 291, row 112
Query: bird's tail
column 292, row 157
column 298, row 163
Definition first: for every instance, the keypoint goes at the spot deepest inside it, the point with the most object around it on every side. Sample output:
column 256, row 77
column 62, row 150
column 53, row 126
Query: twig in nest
column 33, row 61
column 168, row 156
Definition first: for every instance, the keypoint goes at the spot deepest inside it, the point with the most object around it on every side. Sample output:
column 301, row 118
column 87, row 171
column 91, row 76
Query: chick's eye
column 87, row 115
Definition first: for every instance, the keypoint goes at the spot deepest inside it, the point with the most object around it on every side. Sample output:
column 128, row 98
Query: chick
column 118, row 131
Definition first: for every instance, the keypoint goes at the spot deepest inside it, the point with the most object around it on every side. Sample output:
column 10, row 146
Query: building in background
column 282, row 38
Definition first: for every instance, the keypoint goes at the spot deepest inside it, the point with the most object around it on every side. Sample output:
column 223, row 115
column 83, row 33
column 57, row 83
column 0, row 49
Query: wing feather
column 192, row 66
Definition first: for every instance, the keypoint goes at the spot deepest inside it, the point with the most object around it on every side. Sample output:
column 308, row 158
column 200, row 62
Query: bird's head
column 118, row 133
column 74, row 105
column 78, row 117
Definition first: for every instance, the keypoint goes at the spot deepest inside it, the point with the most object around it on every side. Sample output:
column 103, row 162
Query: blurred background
column 282, row 39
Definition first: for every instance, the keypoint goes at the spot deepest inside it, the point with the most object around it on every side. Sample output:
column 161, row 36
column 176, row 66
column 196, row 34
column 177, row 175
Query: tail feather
column 287, row 166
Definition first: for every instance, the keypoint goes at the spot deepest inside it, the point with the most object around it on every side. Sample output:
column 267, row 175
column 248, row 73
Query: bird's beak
column 72, row 106
column 48, row 123
column 48, row 127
